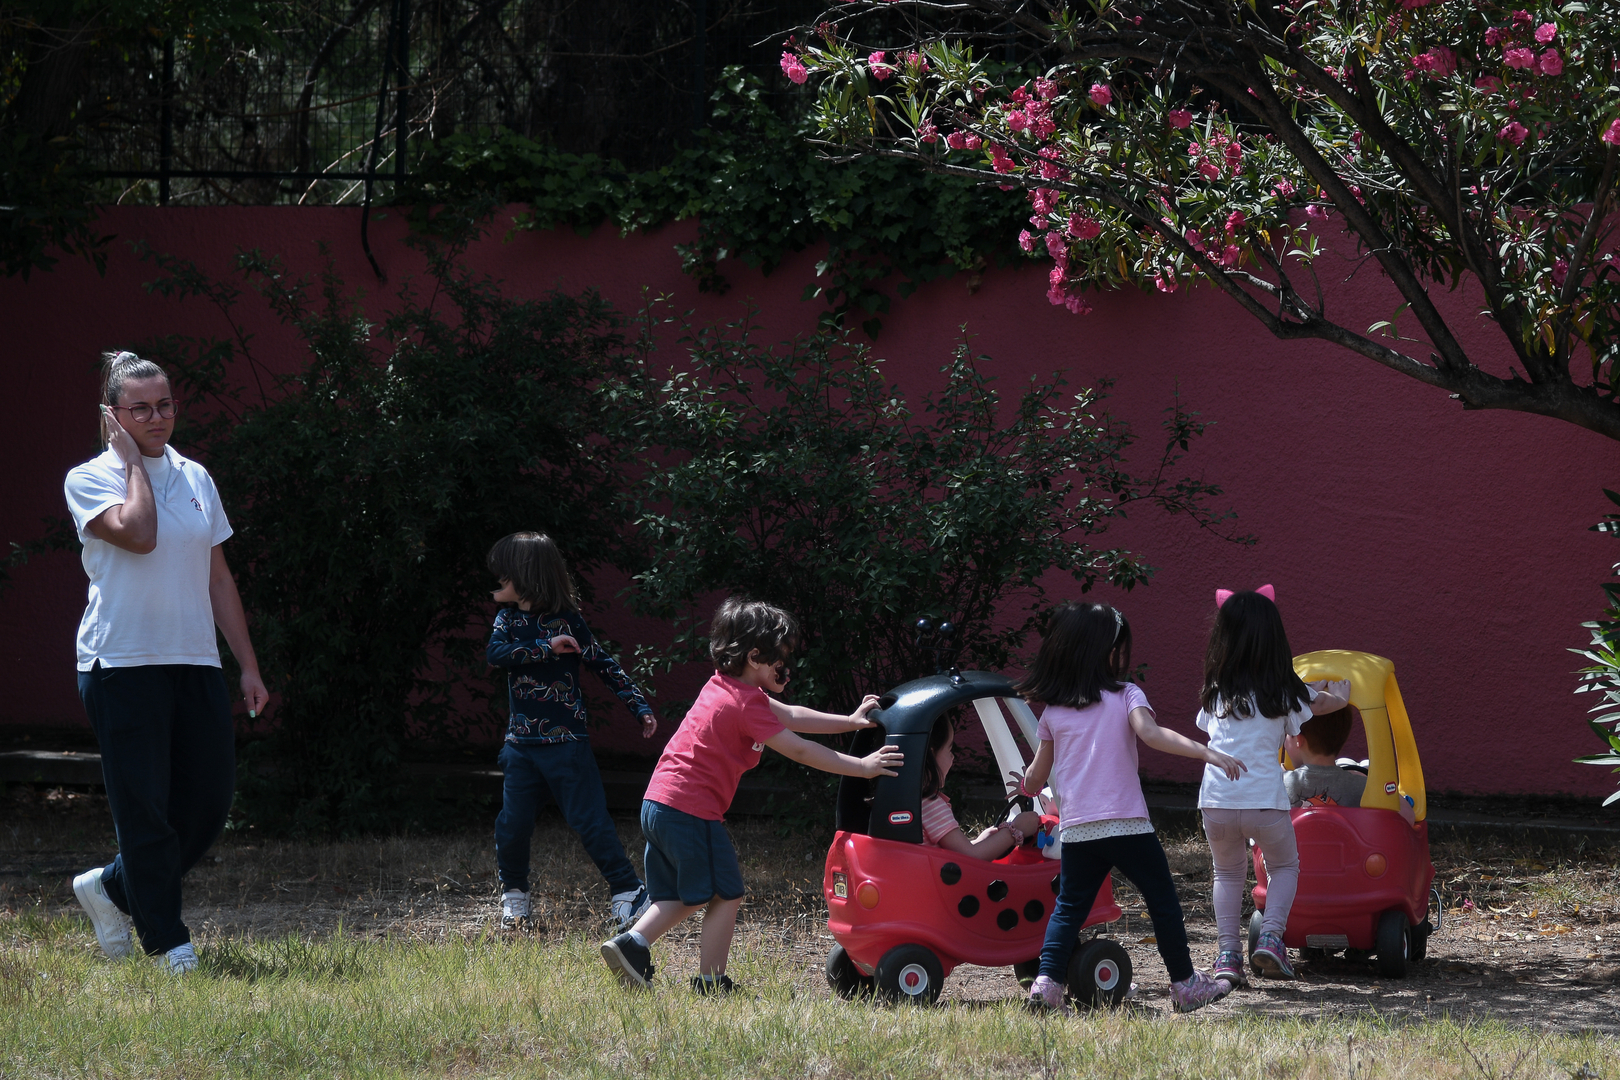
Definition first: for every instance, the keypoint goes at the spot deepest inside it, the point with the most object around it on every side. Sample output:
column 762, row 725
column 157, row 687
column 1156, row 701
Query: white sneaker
column 514, row 909
column 180, row 960
column 627, row 907
column 114, row 929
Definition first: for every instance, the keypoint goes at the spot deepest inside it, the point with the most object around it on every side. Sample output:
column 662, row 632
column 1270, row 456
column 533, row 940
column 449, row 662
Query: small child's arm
column 880, row 762
column 810, row 722
column 1330, row 696
column 608, row 670
column 1173, row 742
column 995, row 841
column 506, row 651
column 1035, row 776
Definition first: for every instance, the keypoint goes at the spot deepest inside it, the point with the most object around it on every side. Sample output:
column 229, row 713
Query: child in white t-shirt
column 1089, row 728
column 939, row 821
column 1251, row 700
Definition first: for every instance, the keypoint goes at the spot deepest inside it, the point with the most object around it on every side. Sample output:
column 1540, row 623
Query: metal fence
column 346, row 94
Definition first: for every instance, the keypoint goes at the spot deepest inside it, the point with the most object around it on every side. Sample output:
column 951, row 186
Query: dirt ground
column 1535, row 949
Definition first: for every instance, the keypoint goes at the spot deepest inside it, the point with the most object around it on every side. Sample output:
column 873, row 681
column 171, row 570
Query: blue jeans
column 1141, row 859
column 567, row 773
column 168, row 758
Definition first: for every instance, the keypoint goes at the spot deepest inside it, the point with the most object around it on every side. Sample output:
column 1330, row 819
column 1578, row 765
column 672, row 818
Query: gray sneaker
column 114, row 930
column 180, row 960
column 627, row 907
column 514, row 909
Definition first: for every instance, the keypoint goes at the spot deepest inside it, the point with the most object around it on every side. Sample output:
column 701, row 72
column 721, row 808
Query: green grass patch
column 487, row 1005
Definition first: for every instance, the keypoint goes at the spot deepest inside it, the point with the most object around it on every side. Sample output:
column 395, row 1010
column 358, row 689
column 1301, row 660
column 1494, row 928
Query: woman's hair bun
column 119, row 367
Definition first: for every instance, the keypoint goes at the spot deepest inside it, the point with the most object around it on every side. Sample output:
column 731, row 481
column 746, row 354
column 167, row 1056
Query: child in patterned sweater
column 542, row 642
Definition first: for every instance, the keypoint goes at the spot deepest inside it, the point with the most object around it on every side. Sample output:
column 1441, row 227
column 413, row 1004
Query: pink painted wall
column 1455, row 544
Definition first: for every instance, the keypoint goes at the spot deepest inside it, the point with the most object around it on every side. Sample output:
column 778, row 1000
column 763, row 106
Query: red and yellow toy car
column 904, row 914
column 1365, row 878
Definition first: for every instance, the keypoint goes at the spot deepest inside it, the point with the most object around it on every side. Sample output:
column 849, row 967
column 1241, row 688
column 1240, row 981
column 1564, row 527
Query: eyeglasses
column 143, row 412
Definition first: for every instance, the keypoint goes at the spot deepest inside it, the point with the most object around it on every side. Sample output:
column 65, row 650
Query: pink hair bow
column 1223, row 595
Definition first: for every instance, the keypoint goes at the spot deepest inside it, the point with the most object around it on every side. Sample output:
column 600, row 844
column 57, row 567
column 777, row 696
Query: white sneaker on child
column 514, row 909
column 627, row 907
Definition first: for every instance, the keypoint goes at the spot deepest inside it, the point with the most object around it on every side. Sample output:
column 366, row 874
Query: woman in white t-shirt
column 1251, row 699
column 149, row 669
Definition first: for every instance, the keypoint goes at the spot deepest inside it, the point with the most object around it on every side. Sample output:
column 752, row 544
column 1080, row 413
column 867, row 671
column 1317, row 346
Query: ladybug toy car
column 1365, row 879
column 904, row 913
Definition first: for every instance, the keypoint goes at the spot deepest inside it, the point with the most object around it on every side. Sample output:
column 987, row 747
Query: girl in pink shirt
column 1088, row 733
column 939, row 821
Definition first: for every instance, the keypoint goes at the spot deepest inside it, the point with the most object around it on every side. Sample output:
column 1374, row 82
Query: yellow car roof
column 1393, row 767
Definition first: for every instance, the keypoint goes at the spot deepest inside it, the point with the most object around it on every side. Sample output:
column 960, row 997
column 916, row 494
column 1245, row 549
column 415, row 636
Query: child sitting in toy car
column 939, row 822
column 1319, row 781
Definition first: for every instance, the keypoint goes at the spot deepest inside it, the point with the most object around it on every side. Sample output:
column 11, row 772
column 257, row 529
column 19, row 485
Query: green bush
column 365, row 490
column 802, row 476
column 1603, row 676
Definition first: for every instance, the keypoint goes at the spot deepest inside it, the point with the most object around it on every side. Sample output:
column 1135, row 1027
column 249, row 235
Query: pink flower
column 1017, row 121
column 1180, row 118
column 1056, row 248
column 1230, row 255
column 1546, row 32
column 1409, row 5
column 1283, row 188
column 1194, row 241
column 794, row 68
column 927, row 132
column 1611, row 135
column 1317, row 212
column 1101, row 94
column 1165, row 282
column 1514, row 133
column 1438, row 62
column 1520, row 58
column 1522, row 19
column 917, row 62
column 1043, row 200
column 1495, row 35
column 875, row 64
column 1046, row 89
column 1234, row 155
column 972, row 141
column 1082, row 227
column 1026, row 240
column 1209, row 170
column 1235, row 221
column 1077, row 304
column 1490, row 84
column 956, row 140
column 999, row 161
column 1560, row 271
column 1550, row 63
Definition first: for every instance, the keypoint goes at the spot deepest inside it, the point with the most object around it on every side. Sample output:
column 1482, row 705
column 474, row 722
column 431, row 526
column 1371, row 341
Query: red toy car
column 904, row 914
column 1365, row 878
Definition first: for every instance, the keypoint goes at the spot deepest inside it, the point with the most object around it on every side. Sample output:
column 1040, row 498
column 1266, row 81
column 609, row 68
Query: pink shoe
column 1045, row 995
column 1270, row 958
column 1229, row 968
column 1197, row 991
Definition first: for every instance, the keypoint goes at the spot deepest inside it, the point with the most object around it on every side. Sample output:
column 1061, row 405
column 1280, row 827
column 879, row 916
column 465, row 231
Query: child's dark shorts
column 688, row 858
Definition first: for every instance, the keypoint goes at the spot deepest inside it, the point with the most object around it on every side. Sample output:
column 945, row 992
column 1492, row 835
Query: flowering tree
column 1172, row 142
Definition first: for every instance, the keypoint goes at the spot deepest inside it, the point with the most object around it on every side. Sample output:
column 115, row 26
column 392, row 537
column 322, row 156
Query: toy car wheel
column 1100, row 974
column 909, row 973
column 1026, row 971
column 1257, row 922
column 1420, row 939
column 1394, row 944
column 844, row 977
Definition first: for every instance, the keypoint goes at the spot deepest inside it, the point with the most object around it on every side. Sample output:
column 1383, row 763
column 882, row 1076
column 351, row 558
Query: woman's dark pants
column 168, row 757
column 1141, row 859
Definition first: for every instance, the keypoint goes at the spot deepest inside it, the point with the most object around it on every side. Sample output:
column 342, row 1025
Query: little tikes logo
column 1389, row 788
column 900, row 817
column 197, row 504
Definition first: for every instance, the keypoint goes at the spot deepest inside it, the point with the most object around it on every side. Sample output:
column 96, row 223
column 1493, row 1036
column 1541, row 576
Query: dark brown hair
column 1249, row 664
column 1328, row 732
column 118, row 368
column 534, row 566
column 1086, row 650
column 942, row 733
column 740, row 626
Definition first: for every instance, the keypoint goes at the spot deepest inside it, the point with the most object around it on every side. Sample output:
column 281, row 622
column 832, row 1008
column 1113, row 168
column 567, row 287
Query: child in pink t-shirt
column 691, row 864
column 1088, row 734
column 939, row 821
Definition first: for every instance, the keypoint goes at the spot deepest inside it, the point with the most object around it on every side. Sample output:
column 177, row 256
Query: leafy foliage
column 1603, row 676
column 1171, row 141
column 366, row 489
column 800, row 475
column 760, row 192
